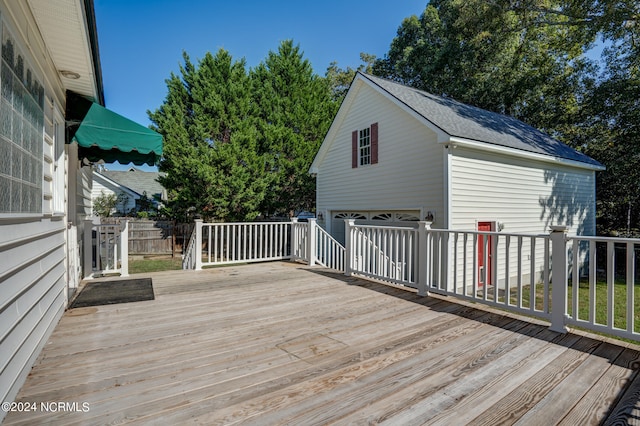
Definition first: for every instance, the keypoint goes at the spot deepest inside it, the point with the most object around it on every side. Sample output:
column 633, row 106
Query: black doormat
column 112, row 292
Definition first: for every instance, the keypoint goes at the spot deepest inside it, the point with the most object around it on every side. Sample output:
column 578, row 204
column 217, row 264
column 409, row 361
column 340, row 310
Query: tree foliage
column 489, row 55
column 239, row 143
column 529, row 59
column 105, row 204
column 340, row 79
column 210, row 159
column 293, row 108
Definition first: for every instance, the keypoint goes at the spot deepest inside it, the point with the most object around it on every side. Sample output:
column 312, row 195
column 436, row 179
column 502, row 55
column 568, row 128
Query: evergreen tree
column 293, row 108
column 210, row 154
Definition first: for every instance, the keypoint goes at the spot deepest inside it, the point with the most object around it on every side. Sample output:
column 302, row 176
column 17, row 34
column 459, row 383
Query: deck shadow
column 466, row 309
column 624, row 407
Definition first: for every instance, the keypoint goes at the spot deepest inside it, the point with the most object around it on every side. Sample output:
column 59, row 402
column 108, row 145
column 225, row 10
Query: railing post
column 88, row 248
column 311, row 241
column 559, row 278
column 422, row 258
column 197, row 252
column 124, row 249
column 294, row 239
column 348, row 250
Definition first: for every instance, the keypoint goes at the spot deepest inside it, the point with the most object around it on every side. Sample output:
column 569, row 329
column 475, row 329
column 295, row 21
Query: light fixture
column 72, row 75
column 430, row 217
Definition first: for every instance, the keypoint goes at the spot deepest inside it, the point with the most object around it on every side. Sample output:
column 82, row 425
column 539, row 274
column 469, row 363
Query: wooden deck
column 282, row 343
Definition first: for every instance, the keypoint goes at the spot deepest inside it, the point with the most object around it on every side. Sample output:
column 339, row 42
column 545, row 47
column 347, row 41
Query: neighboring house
column 134, row 184
column 52, row 125
column 395, row 154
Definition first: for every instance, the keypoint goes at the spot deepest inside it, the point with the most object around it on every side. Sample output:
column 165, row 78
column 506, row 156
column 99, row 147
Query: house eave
column 104, row 178
column 356, row 84
column 498, row 149
column 71, row 43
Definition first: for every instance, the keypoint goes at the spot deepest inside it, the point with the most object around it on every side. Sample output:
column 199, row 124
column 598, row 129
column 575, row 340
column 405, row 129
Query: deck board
column 281, row 343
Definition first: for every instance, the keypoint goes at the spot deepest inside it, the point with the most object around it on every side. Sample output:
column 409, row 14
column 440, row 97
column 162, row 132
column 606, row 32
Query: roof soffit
column 64, row 27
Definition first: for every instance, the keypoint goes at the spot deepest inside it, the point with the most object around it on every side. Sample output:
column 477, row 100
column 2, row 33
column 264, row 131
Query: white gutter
column 483, row 146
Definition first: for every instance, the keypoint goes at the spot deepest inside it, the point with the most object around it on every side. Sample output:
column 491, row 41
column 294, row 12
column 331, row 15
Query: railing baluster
column 545, row 302
column 630, row 283
column 592, row 281
column 507, row 270
column 520, row 272
column 532, row 277
column 474, row 271
column 611, row 270
column 575, row 278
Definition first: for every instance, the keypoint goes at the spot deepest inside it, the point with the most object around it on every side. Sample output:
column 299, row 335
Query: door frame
column 485, row 272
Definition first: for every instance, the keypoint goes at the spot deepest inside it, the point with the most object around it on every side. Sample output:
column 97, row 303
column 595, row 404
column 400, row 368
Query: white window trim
column 364, row 147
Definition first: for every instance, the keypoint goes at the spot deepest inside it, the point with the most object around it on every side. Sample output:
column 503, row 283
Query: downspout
column 447, row 191
column 448, row 222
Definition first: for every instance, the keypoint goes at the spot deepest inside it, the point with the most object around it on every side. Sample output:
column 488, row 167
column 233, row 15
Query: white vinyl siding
column 409, row 172
column 32, row 297
column 32, row 242
column 101, row 186
column 526, row 196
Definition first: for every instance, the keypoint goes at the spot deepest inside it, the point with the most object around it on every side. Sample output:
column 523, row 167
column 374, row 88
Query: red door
column 484, row 254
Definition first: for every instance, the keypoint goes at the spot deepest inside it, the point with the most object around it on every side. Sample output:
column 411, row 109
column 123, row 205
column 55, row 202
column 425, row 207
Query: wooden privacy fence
column 154, row 237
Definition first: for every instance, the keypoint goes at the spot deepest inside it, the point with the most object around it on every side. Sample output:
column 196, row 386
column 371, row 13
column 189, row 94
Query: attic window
column 364, row 146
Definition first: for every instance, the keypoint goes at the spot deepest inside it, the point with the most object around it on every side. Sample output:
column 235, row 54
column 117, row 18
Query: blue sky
column 141, row 41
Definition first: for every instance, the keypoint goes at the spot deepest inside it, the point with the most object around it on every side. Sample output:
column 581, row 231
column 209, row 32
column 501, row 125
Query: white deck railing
column 601, row 289
column 106, row 249
column 190, row 254
column 245, row 242
column 509, row 271
column 228, row 243
column 580, row 281
column 329, row 252
column 299, row 243
column 384, row 253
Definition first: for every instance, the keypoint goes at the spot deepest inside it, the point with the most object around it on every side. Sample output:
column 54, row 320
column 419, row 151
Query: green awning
column 108, row 136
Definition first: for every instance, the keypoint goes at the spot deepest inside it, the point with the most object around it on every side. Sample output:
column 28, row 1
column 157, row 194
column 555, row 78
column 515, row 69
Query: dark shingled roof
column 465, row 121
column 137, row 180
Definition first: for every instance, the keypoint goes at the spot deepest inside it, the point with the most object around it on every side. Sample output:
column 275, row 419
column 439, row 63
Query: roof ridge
column 458, row 119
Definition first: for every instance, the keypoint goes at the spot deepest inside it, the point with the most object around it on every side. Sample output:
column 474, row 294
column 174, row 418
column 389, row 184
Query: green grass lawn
column 154, row 265
column 601, row 297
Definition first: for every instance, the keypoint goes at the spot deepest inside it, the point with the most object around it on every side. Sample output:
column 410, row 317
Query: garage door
column 379, row 218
